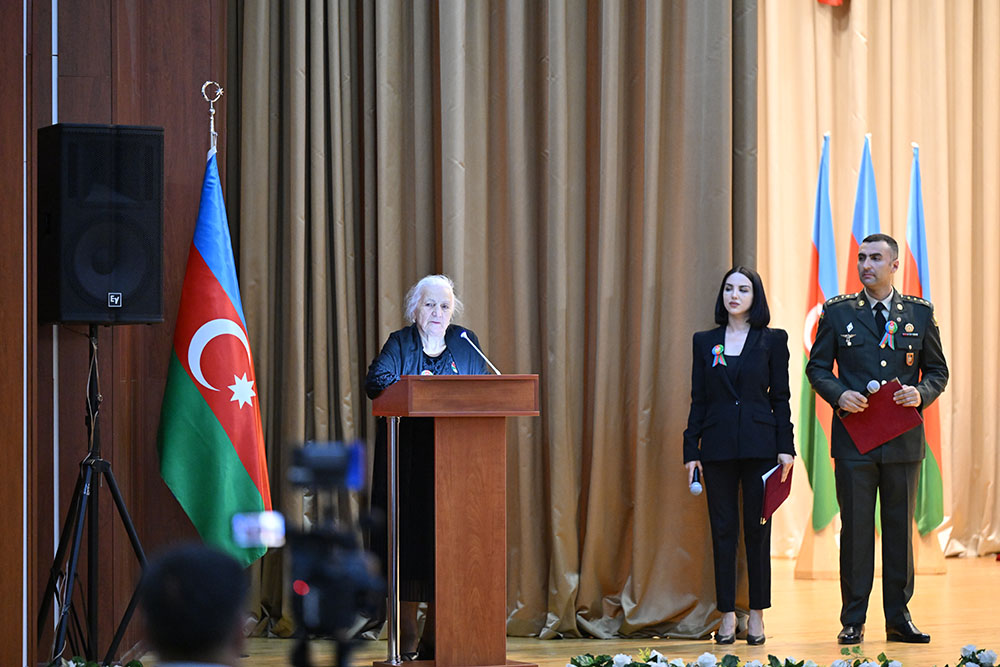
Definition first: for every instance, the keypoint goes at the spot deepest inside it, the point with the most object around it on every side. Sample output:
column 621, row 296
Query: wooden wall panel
column 42, row 516
column 12, row 319
column 130, row 63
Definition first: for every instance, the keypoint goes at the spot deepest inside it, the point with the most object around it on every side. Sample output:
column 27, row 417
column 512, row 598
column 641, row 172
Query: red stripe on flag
column 932, row 417
column 224, row 362
column 853, row 282
column 911, row 277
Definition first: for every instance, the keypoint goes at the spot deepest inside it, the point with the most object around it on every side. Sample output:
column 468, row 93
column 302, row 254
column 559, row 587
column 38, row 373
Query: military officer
column 877, row 334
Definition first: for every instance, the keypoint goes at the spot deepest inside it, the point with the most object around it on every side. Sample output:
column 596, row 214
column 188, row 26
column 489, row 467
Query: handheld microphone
column 465, row 335
column 695, row 483
column 870, row 389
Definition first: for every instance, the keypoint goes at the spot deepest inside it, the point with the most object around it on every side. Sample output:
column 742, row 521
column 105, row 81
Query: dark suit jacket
column 847, row 334
column 401, row 355
column 748, row 418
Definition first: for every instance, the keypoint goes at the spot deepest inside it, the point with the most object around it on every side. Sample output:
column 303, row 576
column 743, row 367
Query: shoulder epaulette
column 916, row 299
column 839, row 298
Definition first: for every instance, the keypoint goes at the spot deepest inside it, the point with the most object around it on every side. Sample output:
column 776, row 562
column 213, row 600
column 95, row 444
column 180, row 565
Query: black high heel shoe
column 725, row 639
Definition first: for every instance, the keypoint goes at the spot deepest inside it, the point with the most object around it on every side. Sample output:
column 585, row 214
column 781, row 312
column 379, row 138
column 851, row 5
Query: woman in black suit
column 739, row 427
column 431, row 345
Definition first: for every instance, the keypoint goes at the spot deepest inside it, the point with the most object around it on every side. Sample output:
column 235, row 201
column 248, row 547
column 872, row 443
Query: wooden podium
column 470, row 523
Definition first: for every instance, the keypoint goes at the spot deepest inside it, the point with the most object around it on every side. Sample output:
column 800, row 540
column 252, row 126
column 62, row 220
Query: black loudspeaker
column 100, row 224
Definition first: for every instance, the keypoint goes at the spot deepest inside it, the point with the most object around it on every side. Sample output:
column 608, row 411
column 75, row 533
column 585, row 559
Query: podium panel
column 470, row 466
column 470, row 505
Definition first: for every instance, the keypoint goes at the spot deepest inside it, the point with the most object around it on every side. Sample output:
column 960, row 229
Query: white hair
column 416, row 294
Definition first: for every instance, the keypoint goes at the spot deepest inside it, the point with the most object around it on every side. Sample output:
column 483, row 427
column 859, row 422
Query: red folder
column 775, row 491
column 882, row 420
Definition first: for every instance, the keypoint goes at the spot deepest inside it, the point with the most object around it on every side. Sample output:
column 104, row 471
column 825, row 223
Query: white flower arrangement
column 977, row 657
column 970, row 657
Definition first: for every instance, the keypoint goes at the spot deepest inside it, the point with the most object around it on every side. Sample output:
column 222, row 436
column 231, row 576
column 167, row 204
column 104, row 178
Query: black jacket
column 847, row 335
column 748, row 418
column 401, row 355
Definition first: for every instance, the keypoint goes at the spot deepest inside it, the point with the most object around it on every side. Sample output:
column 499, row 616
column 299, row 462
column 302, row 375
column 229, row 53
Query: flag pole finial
column 211, row 107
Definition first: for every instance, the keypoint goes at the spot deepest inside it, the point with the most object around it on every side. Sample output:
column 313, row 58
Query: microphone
column 870, row 389
column 695, row 483
column 465, row 335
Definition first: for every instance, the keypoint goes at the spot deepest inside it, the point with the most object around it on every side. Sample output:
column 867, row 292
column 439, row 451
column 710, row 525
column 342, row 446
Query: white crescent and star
column 812, row 317
column 243, row 388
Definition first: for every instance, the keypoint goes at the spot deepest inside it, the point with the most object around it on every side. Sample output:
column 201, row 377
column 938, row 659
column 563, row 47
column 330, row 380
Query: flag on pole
column 211, row 441
column 865, row 215
column 816, row 417
column 917, row 281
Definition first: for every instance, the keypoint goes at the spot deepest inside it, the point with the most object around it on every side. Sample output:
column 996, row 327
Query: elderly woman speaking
column 431, row 345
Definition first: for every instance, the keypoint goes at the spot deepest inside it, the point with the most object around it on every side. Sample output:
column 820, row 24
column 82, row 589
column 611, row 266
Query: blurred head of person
column 193, row 602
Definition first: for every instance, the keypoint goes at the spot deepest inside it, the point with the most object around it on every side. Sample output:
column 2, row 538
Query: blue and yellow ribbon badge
column 719, row 359
column 890, row 328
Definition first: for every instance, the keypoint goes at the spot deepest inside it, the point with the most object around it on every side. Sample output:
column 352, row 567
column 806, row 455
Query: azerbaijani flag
column 865, row 215
column 211, row 440
column 816, row 417
column 917, row 281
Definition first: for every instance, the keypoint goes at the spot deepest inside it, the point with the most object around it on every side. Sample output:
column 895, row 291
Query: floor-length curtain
column 925, row 72
column 571, row 165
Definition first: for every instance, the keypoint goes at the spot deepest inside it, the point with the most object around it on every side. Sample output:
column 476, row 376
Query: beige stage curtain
column 576, row 168
column 904, row 71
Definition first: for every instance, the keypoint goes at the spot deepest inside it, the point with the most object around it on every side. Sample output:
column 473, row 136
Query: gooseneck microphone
column 465, row 335
column 695, row 483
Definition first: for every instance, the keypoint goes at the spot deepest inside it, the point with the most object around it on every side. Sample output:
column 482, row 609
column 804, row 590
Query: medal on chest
column 888, row 339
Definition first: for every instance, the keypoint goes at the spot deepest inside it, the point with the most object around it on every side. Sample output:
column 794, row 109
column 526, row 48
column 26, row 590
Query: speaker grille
column 100, row 209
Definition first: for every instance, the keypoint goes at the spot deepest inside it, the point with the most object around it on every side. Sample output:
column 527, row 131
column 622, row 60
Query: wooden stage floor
column 956, row 608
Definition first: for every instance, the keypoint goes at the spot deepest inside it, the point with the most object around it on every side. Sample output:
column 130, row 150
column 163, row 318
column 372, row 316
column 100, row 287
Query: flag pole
column 211, row 107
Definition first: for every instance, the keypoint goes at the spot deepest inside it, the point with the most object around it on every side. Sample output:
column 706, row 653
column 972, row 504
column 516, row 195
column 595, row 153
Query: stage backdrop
column 927, row 72
column 585, row 171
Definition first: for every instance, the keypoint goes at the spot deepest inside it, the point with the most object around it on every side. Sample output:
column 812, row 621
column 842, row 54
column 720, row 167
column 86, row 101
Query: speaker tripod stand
column 83, row 510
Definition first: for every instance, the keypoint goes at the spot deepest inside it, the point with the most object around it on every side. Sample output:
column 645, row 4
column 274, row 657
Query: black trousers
column 896, row 485
column 416, row 505
column 723, row 482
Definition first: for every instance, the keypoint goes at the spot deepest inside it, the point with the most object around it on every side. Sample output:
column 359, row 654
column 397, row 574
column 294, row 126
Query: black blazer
column 401, row 355
column 749, row 418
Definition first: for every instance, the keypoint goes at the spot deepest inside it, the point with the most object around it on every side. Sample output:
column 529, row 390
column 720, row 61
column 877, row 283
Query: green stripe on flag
column 930, row 494
column 815, row 451
column 201, row 467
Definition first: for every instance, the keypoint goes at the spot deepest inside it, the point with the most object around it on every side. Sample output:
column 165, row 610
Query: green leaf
column 133, row 663
column 730, row 660
column 773, row 661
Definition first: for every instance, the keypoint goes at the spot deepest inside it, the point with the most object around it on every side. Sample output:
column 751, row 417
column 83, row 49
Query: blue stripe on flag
column 211, row 235
column 866, row 200
column 823, row 227
column 916, row 238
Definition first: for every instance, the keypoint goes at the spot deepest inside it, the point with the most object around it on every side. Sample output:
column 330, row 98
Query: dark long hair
column 760, row 314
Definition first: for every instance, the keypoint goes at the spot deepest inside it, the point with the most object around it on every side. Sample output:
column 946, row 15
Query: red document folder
column 775, row 491
column 882, row 420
